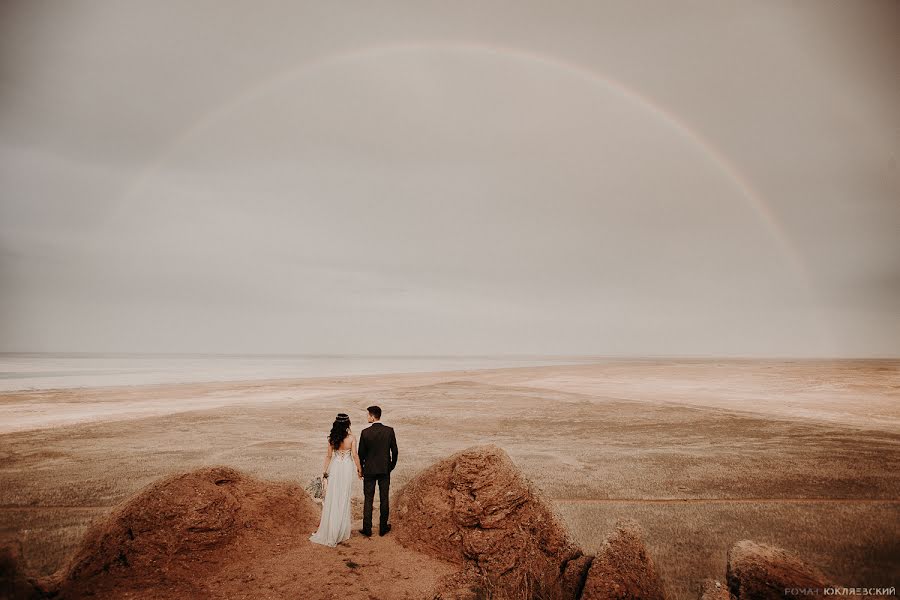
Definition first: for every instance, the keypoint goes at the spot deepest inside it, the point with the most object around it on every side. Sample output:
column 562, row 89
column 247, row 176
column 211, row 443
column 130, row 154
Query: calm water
column 50, row 371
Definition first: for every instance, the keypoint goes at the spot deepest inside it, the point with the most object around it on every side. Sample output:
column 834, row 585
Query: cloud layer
column 581, row 180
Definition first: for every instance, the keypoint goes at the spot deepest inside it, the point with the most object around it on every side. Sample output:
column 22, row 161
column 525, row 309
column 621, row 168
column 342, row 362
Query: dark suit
column 378, row 457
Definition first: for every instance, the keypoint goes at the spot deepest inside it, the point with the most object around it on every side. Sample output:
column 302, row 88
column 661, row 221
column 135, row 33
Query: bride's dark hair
column 339, row 431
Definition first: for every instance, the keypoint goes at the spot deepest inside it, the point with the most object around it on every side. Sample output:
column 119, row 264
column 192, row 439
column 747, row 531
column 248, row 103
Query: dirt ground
column 800, row 454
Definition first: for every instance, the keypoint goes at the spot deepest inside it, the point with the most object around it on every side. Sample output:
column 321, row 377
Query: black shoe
column 384, row 530
column 365, row 533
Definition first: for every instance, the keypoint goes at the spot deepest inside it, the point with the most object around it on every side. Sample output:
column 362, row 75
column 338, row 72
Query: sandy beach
column 802, row 454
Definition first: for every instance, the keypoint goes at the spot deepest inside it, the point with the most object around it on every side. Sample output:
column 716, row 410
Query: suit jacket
column 377, row 450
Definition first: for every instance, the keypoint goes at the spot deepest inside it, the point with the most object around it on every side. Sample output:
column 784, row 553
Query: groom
column 378, row 457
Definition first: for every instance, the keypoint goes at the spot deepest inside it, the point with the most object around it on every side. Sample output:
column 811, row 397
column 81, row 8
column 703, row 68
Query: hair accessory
column 342, row 418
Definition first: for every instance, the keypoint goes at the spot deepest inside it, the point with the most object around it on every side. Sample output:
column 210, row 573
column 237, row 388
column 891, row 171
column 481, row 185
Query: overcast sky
column 610, row 178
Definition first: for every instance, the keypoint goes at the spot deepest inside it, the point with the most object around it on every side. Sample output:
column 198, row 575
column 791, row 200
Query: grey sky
column 636, row 178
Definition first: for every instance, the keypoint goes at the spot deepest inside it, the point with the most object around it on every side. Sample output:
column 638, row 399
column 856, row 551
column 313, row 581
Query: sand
column 804, row 455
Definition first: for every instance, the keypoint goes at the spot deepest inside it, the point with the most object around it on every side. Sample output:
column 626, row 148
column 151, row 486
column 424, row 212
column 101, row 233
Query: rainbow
column 764, row 212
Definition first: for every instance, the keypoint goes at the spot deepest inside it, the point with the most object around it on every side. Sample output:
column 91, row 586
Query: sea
column 42, row 371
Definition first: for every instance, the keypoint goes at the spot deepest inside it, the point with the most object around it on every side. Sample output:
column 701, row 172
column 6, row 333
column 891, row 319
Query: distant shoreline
column 23, row 372
column 34, row 372
column 848, row 393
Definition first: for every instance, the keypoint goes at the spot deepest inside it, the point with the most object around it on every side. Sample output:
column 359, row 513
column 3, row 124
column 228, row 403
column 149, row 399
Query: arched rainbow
column 272, row 83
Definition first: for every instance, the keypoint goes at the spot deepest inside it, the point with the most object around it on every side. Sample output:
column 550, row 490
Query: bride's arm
column 356, row 458
column 327, row 460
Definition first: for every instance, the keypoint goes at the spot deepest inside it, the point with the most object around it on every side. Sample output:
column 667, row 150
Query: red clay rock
column 180, row 529
column 761, row 572
column 623, row 568
column 575, row 576
column 712, row 589
column 476, row 509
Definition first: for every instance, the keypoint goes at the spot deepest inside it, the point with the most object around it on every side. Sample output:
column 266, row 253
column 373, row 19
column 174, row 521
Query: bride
column 334, row 527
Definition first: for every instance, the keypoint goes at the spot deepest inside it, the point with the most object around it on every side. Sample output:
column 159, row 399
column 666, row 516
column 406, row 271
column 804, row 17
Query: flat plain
column 803, row 454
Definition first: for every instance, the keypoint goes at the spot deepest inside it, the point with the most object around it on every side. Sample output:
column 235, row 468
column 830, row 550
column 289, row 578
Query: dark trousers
column 384, row 486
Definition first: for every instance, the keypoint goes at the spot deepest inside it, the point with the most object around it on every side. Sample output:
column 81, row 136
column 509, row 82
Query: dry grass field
column 801, row 454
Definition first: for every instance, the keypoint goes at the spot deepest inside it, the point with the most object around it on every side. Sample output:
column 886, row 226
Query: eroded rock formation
column 623, row 568
column 476, row 509
column 180, row 528
column 761, row 572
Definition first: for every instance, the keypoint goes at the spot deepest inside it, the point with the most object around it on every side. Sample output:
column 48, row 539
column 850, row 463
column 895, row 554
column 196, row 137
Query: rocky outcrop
column 219, row 533
column 623, row 568
column 476, row 509
column 761, row 572
column 182, row 527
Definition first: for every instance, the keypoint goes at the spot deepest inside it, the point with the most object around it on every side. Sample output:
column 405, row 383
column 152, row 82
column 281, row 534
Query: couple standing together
column 372, row 462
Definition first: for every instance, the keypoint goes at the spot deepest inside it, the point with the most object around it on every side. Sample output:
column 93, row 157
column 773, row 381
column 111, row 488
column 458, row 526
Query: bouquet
column 316, row 487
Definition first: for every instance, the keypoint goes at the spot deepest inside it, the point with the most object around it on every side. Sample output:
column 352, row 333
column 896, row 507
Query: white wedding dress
column 334, row 526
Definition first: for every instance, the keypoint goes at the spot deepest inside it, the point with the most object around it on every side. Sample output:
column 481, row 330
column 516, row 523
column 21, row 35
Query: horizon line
column 522, row 356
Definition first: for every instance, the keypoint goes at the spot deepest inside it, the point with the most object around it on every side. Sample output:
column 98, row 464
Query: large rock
column 623, row 568
column 761, row 572
column 181, row 528
column 476, row 509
